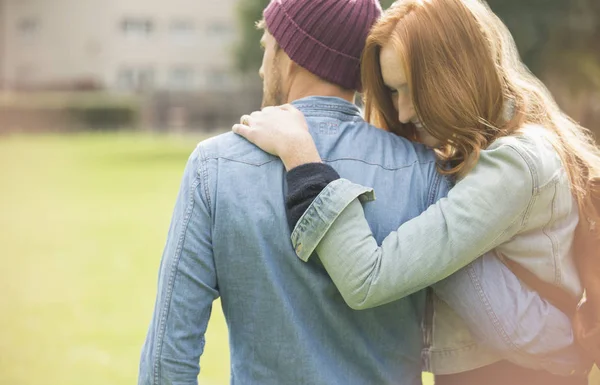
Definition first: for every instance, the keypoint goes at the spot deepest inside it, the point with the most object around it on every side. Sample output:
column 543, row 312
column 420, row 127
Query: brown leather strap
column 553, row 294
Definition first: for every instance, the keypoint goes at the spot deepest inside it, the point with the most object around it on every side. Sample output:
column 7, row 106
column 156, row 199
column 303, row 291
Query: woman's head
column 433, row 63
column 451, row 68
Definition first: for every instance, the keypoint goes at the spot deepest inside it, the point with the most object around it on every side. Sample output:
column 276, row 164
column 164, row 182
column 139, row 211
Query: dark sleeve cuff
column 305, row 183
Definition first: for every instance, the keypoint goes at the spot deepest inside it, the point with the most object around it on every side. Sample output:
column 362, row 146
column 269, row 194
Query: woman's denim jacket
column 516, row 201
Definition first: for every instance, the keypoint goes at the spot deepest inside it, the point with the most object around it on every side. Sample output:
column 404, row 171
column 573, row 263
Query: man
column 229, row 235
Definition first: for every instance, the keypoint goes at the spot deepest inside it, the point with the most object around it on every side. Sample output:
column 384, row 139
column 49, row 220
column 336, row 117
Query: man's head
column 320, row 38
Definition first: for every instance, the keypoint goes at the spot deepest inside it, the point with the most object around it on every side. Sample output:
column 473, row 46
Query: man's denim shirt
column 288, row 324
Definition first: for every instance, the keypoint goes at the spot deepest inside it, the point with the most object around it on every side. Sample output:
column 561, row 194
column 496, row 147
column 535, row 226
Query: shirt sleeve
column 187, row 287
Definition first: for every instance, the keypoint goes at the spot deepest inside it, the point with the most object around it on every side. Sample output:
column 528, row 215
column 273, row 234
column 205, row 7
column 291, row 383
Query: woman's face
column 394, row 77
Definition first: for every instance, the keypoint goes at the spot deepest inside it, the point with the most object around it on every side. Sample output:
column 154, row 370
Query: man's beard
column 272, row 93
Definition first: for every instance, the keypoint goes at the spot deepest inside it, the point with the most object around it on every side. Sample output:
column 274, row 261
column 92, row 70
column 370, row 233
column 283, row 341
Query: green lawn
column 83, row 220
column 82, row 225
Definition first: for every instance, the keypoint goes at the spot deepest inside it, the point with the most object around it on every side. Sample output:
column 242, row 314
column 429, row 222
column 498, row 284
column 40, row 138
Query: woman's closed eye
column 402, row 89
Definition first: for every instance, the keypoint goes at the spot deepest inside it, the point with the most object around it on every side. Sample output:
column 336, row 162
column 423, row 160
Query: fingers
column 246, row 120
column 243, row 130
column 269, row 109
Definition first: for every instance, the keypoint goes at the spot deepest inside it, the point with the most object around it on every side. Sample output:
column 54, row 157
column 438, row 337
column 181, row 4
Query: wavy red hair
column 468, row 86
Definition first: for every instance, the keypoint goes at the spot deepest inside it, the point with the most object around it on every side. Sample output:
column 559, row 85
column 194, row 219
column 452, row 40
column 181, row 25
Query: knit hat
column 326, row 37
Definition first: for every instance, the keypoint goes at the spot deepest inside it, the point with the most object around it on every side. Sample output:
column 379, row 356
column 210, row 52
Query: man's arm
column 187, row 286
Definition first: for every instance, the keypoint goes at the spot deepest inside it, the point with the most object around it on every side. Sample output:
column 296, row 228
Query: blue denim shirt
column 288, row 323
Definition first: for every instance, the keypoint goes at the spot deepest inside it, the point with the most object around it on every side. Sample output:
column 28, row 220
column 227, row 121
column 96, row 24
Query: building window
column 137, row 28
column 217, row 79
column 182, row 79
column 126, row 79
column 219, row 29
column 135, row 78
column 145, row 79
column 28, row 27
column 183, row 32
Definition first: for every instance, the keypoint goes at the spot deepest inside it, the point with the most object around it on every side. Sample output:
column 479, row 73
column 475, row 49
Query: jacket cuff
column 323, row 211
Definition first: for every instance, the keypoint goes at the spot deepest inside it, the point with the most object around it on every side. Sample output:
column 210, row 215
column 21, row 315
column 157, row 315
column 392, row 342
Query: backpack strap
column 586, row 329
column 558, row 297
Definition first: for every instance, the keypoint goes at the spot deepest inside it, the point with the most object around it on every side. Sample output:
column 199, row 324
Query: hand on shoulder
column 281, row 131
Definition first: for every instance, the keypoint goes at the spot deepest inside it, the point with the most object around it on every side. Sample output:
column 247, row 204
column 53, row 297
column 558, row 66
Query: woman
column 447, row 73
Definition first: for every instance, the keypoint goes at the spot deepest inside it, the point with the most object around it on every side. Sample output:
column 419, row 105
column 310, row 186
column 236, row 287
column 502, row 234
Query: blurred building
column 130, row 45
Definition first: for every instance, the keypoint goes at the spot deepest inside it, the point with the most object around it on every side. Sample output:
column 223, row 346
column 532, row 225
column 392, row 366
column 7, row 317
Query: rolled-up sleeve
column 323, row 212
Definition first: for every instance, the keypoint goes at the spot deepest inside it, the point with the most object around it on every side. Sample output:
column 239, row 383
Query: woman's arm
column 480, row 213
column 501, row 313
column 485, row 209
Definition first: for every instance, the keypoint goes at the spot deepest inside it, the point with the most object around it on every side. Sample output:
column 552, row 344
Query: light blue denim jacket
column 517, row 201
column 287, row 322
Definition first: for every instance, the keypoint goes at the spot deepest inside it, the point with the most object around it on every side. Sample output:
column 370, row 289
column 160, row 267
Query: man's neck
column 305, row 87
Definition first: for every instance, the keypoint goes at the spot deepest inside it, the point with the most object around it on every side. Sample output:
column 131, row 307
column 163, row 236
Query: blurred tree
column 559, row 40
column 543, row 26
column 530, row 23
column 248, row 55
column 385, row 4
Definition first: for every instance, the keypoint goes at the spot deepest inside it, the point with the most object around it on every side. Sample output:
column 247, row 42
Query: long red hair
column 468, row 86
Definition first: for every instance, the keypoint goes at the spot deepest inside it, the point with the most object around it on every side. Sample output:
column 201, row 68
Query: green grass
column 83, row 220
column 82, row 226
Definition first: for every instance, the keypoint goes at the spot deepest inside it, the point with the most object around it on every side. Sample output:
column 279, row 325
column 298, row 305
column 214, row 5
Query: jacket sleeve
column 475, row 217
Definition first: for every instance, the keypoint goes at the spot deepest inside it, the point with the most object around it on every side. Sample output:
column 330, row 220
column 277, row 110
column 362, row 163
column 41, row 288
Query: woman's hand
column 281, row 131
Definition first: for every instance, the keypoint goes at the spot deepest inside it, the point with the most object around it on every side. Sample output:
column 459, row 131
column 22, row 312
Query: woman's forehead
column 392, row 67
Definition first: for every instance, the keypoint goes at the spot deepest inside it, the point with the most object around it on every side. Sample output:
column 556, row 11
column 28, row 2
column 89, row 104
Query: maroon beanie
column 326, row 37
